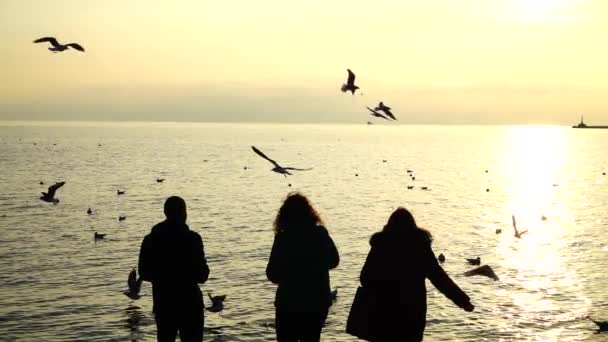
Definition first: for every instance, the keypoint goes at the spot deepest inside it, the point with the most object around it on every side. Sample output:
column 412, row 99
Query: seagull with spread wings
column 50, row 195
column 385, row 109
column 134, row 285
column 517, row 234
column 278, row 168
column 350, row 83
column 56, row 47
column 376, row 113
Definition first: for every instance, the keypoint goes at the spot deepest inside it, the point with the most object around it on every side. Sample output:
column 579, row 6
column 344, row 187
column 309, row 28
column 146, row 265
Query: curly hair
column 296, row 211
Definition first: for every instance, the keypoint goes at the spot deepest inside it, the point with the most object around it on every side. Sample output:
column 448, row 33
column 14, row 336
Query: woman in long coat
column 301, row 257
column 400, row 260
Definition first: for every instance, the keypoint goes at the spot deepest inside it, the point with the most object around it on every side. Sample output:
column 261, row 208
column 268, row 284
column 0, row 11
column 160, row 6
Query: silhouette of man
column 172, row 258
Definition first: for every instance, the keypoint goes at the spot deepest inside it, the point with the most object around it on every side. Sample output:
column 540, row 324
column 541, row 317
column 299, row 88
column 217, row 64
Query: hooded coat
column 395, row 271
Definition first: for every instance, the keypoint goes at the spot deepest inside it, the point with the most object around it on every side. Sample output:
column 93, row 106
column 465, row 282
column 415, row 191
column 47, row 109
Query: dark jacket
column 299, row 263
column 173, row 259
column 395, row 272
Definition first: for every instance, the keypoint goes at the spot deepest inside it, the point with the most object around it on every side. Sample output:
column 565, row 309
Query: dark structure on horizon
column 582, row 124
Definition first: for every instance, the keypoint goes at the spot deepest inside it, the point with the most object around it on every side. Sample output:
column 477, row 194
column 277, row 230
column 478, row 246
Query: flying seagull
column 385, row 109
column 376, row 114
column 601, row 326
column 350, row 83
column 56, row 47
column 50, row 196
column 278, row 168
column 217, row 303
column 484, row 270
column 476, row 261
column 517, row 234
column 134, row 285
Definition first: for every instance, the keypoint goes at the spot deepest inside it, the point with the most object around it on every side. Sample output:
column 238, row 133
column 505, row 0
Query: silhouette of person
column 301, row 257
column 172, row 258
column 394, row 273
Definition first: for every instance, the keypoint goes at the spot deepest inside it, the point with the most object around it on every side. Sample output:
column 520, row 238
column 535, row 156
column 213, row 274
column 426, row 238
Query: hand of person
column 468, row 307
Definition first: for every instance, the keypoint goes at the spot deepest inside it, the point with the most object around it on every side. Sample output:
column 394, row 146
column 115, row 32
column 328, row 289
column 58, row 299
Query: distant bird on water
column 217, row 303
column 278, row 168
column 134, row 285
column 99, row 236
column 376, row 114
column 385, row 109
column 517, row 233
column 118, row 192
column 476, row 261
column 122, row 218
column 160, row 180
column 484, row 270
column 89, row 211
column 350, row 83
column 56, row 47
column 441, row 258
column 50, row 195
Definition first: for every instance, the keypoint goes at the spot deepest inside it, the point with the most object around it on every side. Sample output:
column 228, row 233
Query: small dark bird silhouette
column 118, row 192
column 350, row 83
column 385, row 109
column 601, row 326
column 160, row 180
column 99, row 236
column 134, row 285
column 410, row 171
column 50, row 195
column 413, row 178
column 543, row 217
column 410, row 187
column 487, row 190
column 424, row 188
column 441, row 258
column 376, row 114
column 517, row 233
column 278, row 168
column 56, row 47
column 89, row 211
column 122, row 218
column 217, row 303
column 41, row 183
column 484, row 270
column 498, row 230
column 476, row 261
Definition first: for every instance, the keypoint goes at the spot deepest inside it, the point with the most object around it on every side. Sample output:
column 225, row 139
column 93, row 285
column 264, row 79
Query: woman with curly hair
column 301, row 257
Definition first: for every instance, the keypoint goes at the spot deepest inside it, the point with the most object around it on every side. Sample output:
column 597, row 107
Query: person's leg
column 166, row 328
column 285, row 326
column 191, row 328
column 312, row 323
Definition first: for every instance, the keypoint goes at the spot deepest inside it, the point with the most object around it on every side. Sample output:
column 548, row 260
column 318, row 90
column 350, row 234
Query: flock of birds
column 217, row 302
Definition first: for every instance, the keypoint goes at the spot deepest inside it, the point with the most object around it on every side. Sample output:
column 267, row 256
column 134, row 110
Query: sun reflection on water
column 534, row 159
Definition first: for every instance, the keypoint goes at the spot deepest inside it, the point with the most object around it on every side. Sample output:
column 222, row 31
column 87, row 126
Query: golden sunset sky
column 432, row 61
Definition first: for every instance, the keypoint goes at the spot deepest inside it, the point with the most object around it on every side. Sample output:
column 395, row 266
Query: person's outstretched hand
column 468, row 307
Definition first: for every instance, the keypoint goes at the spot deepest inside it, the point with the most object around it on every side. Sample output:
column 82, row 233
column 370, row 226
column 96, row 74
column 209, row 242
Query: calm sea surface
column 58, row 284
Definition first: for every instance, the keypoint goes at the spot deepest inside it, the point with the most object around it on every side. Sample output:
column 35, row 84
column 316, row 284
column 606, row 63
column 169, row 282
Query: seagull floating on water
column 441, row 258
column 410, row 187
column 56, row 47
column 99, row 236
column 385, row 109
column 89, row 211
column 350, row 83
column 118, row 192
column 122, row 218
column 278, row 168
column 134, row 285
column 498, row 230
column 217, row 303
column 476, row 261
column 517, row 233
column 160, row 180
column 484, row 270
column 50, row 195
